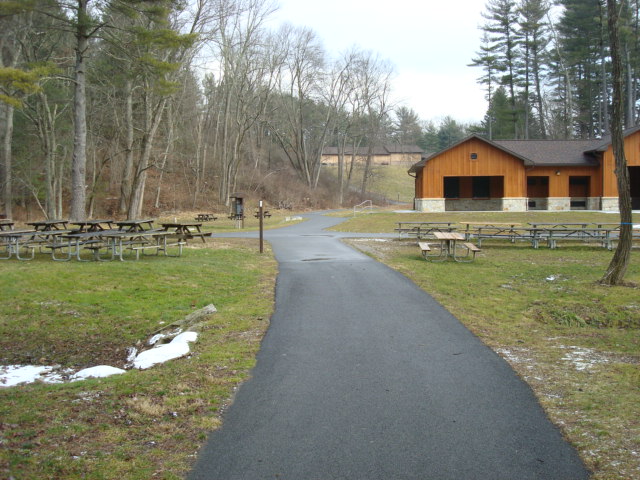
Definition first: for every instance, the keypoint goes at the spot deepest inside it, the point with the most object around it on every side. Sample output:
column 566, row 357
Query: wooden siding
column 559, row 184
column 490, row 162
column 631, row 151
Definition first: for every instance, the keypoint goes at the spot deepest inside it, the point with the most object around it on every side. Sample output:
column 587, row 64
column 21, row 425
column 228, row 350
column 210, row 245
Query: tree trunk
column 6, row 131
column 152, row 123
column 617, row 268
column 79, row 157
column 125, row 186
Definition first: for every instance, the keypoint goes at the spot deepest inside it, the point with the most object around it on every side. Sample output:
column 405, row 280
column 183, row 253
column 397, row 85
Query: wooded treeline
column 130, row 107
column 547, row 67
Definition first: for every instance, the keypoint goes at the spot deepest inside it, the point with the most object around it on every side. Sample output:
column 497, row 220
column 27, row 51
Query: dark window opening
column 578, row 180
column 451, row 187
column 481, row 187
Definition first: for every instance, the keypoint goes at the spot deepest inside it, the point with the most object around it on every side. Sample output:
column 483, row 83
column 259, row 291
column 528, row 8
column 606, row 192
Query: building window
column 451, row 187
column 474, row 156
column 481, row 187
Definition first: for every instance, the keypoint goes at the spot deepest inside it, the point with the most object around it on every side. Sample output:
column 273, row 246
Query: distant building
column 392, row 154
column 519, row 175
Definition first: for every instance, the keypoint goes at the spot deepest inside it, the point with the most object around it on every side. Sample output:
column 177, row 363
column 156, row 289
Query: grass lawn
column 142, row 424
column 576, row 343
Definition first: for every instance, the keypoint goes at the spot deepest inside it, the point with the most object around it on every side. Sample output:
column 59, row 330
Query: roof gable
column 424, row 160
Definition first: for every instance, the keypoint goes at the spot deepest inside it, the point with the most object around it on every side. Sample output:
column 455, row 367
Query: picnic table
column 450, row 243
column 6, row 225
column 135, row 225
column 511, row 231
column 141, row 241
column 582, row 232
column 205, row 217
column 13, row 241
column 93, row 225
column 422, row 229
column 49, row 224
column 265, row 213
column 186, row 231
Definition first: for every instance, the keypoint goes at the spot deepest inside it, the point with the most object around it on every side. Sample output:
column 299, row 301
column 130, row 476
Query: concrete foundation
column 606, row 204
column 429, row 204
column 515, row 204
column 558, row 203
column 609, row 204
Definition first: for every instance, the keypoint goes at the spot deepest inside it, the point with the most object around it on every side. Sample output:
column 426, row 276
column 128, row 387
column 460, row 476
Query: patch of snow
column 99, row 371
column 583, row 358
column 131, row 354
column 12, row 375
column 155, row 339
column 178, row 347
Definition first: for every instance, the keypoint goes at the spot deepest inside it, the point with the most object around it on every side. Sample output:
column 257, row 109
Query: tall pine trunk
column 79, row 157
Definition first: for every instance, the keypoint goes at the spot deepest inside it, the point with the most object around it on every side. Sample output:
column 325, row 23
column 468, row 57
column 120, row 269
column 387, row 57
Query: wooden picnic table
column 93, row 225
column 204, row 217
column 13, row 241
column 6, row 225
column 265, row 213
column 186, row 231
column 450, row 242
column 568, row 225
column 421, row 229
column 141, row 241
column 135, row 225
column 49, row 224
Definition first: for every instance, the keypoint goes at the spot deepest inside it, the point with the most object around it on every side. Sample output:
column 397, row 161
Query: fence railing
column 364, row 207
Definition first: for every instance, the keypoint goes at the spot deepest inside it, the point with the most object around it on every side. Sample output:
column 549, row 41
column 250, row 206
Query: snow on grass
column 99, row 371
column 178, row 347
column 12, row 375
column 583, row 358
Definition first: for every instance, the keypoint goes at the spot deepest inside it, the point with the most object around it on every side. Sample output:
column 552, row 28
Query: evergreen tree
column 502, row 20
column 533, row 40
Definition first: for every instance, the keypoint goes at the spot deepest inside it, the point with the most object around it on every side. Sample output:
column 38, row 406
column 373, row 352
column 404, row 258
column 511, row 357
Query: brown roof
column 383, row 150
column 397, row 148
column 557, row 153
column 554, row 153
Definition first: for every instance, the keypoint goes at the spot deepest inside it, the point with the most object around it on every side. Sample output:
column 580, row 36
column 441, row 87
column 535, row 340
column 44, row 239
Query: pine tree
column 502, row 19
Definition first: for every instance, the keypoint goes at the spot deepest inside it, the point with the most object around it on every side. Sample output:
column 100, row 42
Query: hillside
column 389, row 181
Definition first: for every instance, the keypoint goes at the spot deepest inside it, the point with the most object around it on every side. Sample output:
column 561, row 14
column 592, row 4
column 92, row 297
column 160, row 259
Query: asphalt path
column 362, row 375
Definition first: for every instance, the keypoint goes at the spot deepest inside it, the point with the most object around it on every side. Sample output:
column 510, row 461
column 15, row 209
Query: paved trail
column 364, row 376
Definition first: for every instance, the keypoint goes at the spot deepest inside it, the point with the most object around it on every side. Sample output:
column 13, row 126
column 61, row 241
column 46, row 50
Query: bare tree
column 617, row 268
column 302, row 120
column 12, row 30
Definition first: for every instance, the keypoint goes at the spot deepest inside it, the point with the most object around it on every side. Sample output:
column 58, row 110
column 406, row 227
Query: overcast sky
column 429, row 42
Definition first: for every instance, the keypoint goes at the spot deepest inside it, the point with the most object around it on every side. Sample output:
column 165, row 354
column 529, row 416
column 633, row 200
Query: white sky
column 430, row 43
